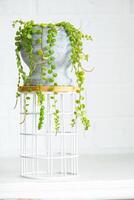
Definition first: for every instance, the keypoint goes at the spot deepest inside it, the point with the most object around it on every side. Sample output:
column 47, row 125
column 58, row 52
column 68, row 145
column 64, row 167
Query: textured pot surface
column 62, row 53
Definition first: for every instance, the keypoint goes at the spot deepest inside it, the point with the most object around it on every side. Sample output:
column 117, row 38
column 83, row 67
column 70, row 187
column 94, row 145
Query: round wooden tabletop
column 48, row 88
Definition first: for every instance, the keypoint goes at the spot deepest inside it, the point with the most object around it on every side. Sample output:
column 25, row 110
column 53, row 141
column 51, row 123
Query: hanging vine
column 24, row 40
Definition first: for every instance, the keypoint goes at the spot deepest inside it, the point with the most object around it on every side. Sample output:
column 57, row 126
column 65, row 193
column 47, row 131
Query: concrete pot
column 62, row 53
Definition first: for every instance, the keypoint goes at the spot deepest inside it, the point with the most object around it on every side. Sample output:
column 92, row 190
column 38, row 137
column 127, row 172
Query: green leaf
column 40, row 52
column 83, row 106
column 77, row 101
column 55, row 75
column 53, row 66
column 29, row 36
column 43, row 25
column 38, row 31
column 39, row 41
column 49, row 71
column 27, row 98
column 86, row 57
column 88, row 37
column 51, row 80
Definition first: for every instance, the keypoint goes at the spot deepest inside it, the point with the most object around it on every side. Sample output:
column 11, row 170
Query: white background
column 109, row 89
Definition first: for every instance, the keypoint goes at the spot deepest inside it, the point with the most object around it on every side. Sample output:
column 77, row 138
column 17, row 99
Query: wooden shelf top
column 48, row 88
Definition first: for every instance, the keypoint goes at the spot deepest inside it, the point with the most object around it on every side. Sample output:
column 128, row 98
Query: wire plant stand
column 45, row 153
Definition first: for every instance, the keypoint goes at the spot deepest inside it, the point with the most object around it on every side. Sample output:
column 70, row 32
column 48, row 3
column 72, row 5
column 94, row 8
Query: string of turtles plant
column 24, row 39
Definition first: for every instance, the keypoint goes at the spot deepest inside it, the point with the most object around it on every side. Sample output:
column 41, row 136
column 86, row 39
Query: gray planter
column 62, row 53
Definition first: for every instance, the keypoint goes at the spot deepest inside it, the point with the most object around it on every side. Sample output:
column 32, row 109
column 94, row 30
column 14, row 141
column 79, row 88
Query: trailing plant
column 24, row 39
column 41, row 100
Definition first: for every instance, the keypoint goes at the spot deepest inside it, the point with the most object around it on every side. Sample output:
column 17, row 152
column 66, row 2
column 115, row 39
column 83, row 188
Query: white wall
column 110, row 88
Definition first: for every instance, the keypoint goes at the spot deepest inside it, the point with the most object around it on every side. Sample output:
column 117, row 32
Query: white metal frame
column 45, row 153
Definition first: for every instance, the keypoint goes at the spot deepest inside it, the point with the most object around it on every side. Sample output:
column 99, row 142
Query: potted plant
column 54, row 54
